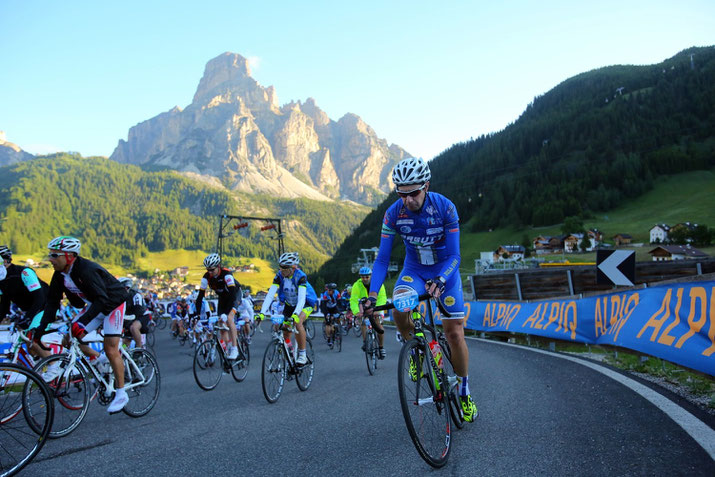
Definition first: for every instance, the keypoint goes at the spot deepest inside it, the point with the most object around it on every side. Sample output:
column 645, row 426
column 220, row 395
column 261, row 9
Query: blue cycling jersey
column 431, row 238
column 288, row 288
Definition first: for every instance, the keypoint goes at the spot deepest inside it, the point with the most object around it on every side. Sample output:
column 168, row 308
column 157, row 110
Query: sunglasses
column 54, row 255
column 286, row 267
column 211, row 269
column 410, row 193
column 365, row 276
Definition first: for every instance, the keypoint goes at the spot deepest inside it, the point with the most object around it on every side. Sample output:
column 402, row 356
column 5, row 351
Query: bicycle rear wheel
column 338, row 341
column 239, row 368
column 273, row 372
column 142, row 398
column 370, row 353
column 424, row 404
column 23, row 433
column 455, row 407
column 70, row 389
column 305, row 374
column 208, row 367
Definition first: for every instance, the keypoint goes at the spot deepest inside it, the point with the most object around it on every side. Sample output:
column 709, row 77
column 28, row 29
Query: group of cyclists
column 426, row 221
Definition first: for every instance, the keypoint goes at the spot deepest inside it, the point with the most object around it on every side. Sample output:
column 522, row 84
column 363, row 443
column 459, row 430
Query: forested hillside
column 121, row 212
column 590, row 144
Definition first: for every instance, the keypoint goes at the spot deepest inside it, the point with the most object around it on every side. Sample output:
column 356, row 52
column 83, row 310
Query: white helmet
column 64, row 244
column 288, row 258
column 413, row 170
column 212, row 260
column 126, row 282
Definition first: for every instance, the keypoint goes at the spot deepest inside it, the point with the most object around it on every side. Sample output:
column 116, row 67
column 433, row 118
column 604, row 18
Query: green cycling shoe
column 469, row 409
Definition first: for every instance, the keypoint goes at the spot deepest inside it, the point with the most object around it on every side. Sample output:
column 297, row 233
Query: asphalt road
column 540, row 415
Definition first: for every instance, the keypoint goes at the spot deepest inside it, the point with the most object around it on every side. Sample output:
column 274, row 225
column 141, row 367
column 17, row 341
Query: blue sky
column 77, row 75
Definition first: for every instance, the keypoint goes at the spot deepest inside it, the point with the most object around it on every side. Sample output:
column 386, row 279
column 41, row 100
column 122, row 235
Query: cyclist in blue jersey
column 329, row 307
column 298, row 295
column 429, row 226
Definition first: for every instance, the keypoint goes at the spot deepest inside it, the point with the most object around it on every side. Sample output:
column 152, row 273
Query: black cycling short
column 143, row 319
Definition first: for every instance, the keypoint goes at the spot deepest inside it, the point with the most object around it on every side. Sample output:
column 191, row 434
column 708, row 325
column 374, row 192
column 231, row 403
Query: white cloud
column 254, row 62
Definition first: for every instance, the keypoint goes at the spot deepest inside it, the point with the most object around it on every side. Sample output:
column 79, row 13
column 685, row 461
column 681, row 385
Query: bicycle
column 372, row 353
column 356, row 322
column 309, row 327
column 279, row 362
column 69, row 376
column 427, row 383
column 22, row 391
column 210, row 361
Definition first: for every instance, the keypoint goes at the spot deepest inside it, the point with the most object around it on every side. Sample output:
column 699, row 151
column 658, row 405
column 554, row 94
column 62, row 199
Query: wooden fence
column 541, row 284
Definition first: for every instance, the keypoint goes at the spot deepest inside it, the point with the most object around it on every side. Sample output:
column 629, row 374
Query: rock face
column 235, row 130
column 11, row 153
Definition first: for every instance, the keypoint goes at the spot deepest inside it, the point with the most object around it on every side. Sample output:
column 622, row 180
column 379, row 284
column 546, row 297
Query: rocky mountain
column 235, row 130
column 11, row 153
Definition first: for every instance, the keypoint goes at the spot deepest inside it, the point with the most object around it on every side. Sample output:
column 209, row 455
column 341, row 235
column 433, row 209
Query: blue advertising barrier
column 675, row 322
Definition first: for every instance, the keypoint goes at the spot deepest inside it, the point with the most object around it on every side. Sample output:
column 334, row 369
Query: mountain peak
column 226, row 71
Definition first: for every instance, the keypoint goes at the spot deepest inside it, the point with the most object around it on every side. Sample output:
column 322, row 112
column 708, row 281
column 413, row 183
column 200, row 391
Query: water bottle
column 223, row 344
column 436, row 353
column 289, row 344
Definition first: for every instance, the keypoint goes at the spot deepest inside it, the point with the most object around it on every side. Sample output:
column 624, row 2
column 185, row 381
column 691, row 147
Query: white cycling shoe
column 232, row 353
column 302, row 359
column 120, row 400
column 52, row 372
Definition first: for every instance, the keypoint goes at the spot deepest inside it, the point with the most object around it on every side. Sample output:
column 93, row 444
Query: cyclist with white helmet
column 429, row 226
column 87, row 285
column 292, row 286
column 21, row 286
column 227, row 288
column 360, row 290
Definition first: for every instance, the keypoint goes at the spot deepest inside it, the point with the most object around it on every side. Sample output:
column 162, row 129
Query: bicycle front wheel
column 147, row 381
column 22, row 389
column 208, row 367
column 305, row 373
column 339, row 341
column 371, row 353
column 356, row 327
column 70, row 389
column 309, row 328
column 161, row 322
column 424, row 404
column 273, row 372
column 239, row 368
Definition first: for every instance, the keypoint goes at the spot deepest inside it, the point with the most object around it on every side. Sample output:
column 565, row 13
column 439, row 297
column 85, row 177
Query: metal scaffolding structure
column 231, row 224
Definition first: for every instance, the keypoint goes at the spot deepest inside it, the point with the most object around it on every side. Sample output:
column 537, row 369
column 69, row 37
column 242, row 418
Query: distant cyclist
column 429, row 226
column 228, row 290
column 87, row 283
column 361, row 290
column 292, row 285
column 20, row 285
column 329, row 307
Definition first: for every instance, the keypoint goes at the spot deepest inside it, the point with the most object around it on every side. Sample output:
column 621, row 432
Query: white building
column 659, row 233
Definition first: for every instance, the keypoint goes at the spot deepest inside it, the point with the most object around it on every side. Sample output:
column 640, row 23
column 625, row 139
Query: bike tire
column 306, row 372
column 142, row 398
column 239, row 369
column 71, row 391
column 161, row 323
column 424, row 407
column 150, row 339
column 455, row 406
column 309, row 327
column 339, row 341
column 369, row 354
column 273, row 371
column 208, row 365
column 22, row 388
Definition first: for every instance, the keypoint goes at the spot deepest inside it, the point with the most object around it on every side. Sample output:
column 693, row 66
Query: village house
column 572, row 243
column 548, row 244
column 595, row 236
column 676, row 252
column 659, row 233
column 622, row 239
column 511, row 252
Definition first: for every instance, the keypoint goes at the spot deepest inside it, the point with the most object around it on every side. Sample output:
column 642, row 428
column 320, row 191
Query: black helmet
column 5, row 252
column 332, row 286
